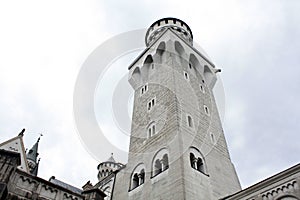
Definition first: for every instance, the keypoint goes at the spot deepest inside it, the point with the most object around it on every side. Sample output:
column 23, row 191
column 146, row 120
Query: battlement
column 176, row 24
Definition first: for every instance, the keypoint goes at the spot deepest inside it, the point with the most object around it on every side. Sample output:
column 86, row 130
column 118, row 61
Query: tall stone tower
column 177, row 146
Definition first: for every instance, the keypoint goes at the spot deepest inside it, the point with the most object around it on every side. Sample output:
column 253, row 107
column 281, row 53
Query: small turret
column 158, row 27
column 32, row 160
column 107, row 167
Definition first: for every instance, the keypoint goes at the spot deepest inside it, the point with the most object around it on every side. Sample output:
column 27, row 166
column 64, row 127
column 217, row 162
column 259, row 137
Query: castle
column 177, row 145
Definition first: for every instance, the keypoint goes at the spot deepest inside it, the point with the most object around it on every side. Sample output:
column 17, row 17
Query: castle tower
column 177, row 146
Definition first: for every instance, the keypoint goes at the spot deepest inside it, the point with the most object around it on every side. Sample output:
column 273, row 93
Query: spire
column 32, row 160
column 111, row 158
column 33, row 152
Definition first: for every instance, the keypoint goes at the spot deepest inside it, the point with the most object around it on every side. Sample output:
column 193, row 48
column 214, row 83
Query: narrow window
column 206, row 110
column 212, row 137
column 149, row 132
column 153, row 129
column 202, row 89
column 190, row 121
column 151, row 104
column 203, row 81
column 190, row 65
column 186, row 75
column 144, row 89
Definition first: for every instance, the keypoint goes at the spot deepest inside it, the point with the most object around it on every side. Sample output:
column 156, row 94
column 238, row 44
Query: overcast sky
column 256, row 43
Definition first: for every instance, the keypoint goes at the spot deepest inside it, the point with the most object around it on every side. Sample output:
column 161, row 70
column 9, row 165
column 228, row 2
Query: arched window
column 160, row 162
column 197, row 160
column 137, row 176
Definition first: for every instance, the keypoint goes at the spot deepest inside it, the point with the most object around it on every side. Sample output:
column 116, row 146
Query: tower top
column 176, row 24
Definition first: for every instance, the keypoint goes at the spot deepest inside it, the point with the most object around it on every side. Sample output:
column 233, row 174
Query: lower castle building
column 177, row 145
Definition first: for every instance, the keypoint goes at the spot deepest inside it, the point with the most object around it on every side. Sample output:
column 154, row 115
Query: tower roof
column 111, row 158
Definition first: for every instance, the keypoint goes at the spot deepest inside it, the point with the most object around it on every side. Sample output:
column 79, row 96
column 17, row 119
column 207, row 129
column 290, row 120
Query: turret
column 158, row 27
column 32, row 158
column 107, row 167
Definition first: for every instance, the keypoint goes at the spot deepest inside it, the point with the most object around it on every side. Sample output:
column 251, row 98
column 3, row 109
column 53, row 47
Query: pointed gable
column 16, row 145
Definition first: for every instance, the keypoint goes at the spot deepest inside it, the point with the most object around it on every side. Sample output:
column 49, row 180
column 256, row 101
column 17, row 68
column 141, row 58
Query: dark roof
column 65, row 185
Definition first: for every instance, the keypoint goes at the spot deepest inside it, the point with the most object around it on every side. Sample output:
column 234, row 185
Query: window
column 212, row 137
column 202, row 88
column 160, row 162
column 190, row 65
column 151, row 104
column 196, row 160
column 186, row 75
column 144, row 89
column 151, row 129
column 137, row 176
column 152, row 66
column 206, row 110
column 190, row 121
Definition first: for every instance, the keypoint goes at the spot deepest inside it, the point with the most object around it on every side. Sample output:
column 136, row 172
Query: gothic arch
column 159, row 54
column 160, row 162
column 195, row 63
column 147, row 65
column 208, row 75
column 179, row 48
column 136, row 75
